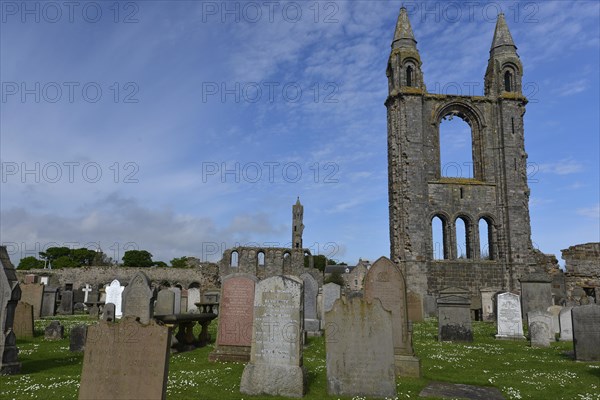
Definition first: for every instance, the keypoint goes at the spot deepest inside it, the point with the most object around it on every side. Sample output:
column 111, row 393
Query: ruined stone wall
column 266, row 262
column 206, row 276
column 582, row 264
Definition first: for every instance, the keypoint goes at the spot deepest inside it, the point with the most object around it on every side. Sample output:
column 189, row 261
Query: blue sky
column 187, row 127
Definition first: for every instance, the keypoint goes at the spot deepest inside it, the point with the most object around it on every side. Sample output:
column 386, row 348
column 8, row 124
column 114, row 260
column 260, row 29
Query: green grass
column 50, row 371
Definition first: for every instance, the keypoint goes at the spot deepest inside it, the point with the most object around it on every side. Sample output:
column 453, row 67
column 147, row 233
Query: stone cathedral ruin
column 497, row 193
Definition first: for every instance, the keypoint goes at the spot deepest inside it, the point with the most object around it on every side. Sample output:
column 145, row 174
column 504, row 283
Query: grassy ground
column 50, row 371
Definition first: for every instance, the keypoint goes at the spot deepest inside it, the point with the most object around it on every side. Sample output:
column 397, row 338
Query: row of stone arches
column 462, row 237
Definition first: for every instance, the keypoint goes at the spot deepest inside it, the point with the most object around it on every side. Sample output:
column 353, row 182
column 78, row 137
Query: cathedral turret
column 505, row 71
column 404, row 66
column 297, row 225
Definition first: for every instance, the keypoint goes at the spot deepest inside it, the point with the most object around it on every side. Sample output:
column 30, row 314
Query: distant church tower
column 297, row 225
column 494, row 200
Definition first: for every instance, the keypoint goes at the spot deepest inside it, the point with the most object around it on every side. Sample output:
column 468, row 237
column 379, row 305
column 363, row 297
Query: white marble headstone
column 509, row 320
column 193, row 297
column 113, row 295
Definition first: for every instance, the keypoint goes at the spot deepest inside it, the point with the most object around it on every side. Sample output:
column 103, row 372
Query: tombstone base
column 312, row 327
column 276, row 380
column 510, row 337
column 407, row 366
column 230, row 353
column 10, row 368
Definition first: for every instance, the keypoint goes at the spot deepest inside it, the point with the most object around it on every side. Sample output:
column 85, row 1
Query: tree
column 30, row 263
column 53, row 253
column 83, row 256
column 319, row 262
column 137, row 258
column 335, row 277
column 64, row 262
column 180, row 262
column 160, row 264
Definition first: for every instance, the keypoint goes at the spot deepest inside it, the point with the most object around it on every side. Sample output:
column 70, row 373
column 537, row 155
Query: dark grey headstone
column 536, row 292
column 66, row 303
column 311, row 288
column 49, row 301
column 10, row 293
column 79, row 308
column 454, row 315
column 108, row 313
column 54, row 331
column 137, row 298
column 94, row 311
column 165, row 302
column 78, row 335
column 586, row 332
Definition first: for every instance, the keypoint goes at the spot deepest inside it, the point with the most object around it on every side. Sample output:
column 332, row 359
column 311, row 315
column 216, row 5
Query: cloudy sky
column 187, row 127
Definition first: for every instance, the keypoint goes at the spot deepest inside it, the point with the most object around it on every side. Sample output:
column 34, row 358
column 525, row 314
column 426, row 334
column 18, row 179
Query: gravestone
column 94, row 311
column 331, row 292
column 114, row 293
column 540, row 328
column 102, row 295
column 165, row 302
column 30, row 278
column 10, row 293
column 184, row 301
column 87, row 289
column 137, row 298
column 66, row 303
column 275, row 365
column 23, row 323
column 193, row 298
column 454, row 315
column 54, row 331
column 586, row 332
column 311, row 288
column 566, row 324
column 78, row 296
column 127, row 360
column 108, row 312
column 32, row 294
column 509, row 319
column 487, row 304
column 49, row 301
column 415, row 307
column 360, row 350
column 177, row 302
column 555, row 312
column 234, row 334
column 77, row 338
column 536, row 292
column 384, row 281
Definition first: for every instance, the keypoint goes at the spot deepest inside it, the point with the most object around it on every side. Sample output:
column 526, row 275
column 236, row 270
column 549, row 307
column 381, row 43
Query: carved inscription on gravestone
column 236, row 312
column 125, row 361
column 510, row 322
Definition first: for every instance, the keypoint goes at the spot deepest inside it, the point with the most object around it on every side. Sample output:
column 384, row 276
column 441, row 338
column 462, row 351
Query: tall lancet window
column 409, row 76
column 508, row 81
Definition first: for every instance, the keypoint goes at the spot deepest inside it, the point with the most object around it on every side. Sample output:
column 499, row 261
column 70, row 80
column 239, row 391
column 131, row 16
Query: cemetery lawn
column 50, row 371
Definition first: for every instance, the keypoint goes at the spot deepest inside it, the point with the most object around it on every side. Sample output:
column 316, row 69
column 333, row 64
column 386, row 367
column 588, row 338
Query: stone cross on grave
column 86, row 290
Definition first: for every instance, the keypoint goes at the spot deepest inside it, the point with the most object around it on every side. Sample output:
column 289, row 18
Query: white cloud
column 565, row 166
column 590, row 212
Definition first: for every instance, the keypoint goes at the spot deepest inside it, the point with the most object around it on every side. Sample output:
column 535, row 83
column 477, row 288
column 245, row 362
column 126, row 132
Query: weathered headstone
column 114, row 293
column 509, row 319
column 311, row 288
column 275, row 365
column 487, row 304
column 54, row 331
column 137, row 298
column 566, row 324
column 32, row 294
column 177, row 301
column 536, row 292
column 454, row 315
column 540, row 328
column 586, row 332
column 234, row 336
column 193, row 298
column 360, row 350
column 49, row 301
column 77, row 338
column 10, row 293
column 66, row 303
column 127, row 360
column 184, row 301
column 555, row 311
column 94, row 311
column 30, row 278
column 415, row 307
column 165, row 302
column 108, row 312
column 23, row 323
column 331, row 292
column 384, row 281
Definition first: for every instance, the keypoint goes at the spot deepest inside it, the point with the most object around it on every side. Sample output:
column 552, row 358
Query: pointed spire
column 298, row 201
column 502, row 36
column 403, row 36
